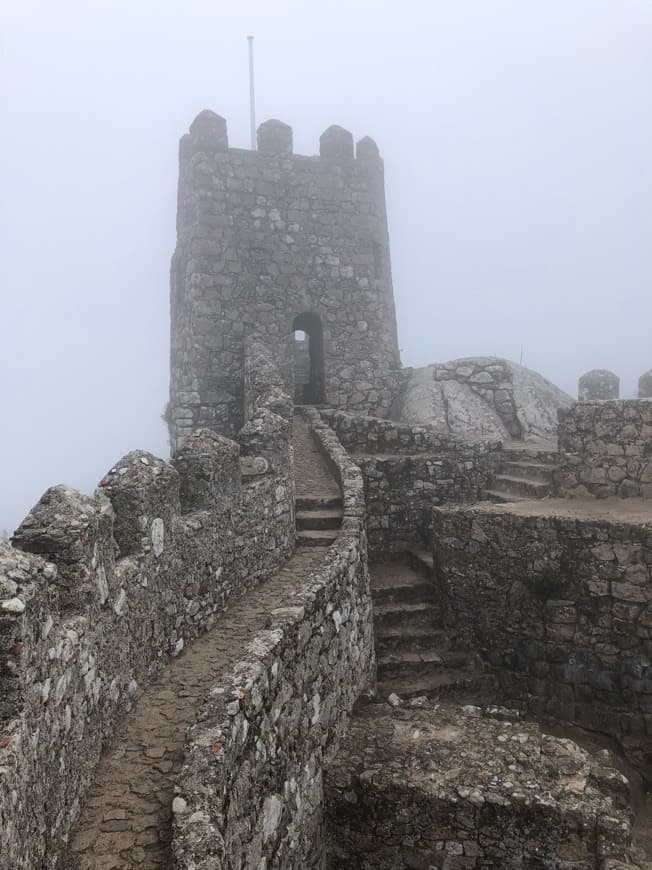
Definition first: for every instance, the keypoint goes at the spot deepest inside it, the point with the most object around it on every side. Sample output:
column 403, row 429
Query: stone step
column 530, row 470
column 414, row 665
column 439, row 684
column 409, row 638
column 316, row 538
column 318, row 502
column 499, row 497
column 321, row 519
column 521, row 486
column 421, row 561
column 541, row 455
column 406, row 613
column 404, row 586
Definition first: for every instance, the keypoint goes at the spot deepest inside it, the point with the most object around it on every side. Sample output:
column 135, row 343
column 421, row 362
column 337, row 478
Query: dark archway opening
column 308, row 360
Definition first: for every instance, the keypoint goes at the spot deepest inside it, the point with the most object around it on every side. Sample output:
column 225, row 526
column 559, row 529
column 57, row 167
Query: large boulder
column 484, row 397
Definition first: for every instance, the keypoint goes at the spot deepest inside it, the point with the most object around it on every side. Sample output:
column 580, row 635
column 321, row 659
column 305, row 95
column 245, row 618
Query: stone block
column 645, row 385
column 274, row 137
column 598, row 384
column 144, row 493
column 75, row 532
column 209, row 472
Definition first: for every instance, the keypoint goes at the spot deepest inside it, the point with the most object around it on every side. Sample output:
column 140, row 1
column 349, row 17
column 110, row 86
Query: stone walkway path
column 126, row 818
column 313, row 477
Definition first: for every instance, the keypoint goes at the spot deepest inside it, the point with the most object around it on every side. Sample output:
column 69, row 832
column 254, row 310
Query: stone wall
column 97, row 592
column 265, row 237
column 491, row 379
column 458, row 787
column 407, row 470
column 363, row 434
column 250, row 792
column 560, row 607
column 606, row 448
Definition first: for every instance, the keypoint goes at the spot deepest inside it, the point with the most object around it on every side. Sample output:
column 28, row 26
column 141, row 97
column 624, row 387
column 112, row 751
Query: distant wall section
column 606, row 449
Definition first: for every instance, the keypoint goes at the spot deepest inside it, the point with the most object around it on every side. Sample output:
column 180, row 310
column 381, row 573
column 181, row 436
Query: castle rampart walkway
column 126, row 819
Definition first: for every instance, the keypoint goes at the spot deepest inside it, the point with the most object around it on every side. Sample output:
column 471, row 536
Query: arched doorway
column 308, row 360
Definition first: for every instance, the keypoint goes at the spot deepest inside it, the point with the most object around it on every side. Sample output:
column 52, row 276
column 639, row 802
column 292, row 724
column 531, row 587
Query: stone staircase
column 318, row 519
column 318, row 496
column 415, row 654
column 523, row 473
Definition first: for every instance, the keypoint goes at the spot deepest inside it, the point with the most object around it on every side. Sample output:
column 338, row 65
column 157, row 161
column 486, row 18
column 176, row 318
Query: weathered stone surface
column 606, row 449
column 483, row 397
column 441, row 786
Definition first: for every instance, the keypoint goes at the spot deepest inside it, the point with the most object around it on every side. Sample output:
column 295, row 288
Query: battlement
column 208, row 135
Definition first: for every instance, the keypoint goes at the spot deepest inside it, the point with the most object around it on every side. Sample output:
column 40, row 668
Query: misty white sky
column 517, row 138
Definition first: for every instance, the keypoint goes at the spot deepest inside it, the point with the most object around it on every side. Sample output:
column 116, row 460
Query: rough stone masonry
column 272, row 241
column 98, row 593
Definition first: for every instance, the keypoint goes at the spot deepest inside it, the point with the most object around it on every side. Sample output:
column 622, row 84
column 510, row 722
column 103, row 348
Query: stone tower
column 274, row 243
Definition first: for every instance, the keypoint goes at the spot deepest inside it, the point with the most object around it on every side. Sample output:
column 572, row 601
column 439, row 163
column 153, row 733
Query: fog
column 517, row 139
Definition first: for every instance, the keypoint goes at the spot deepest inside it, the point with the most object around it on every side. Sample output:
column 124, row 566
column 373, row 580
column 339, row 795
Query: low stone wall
column 250, row 792
column 97, row 592
column 606, row 448
column 362, row 434
column 561, row 608
column 444, row 786
column 400, row 492
column 407, row 470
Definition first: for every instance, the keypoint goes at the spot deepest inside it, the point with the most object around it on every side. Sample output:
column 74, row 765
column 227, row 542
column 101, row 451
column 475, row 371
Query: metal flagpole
column 252, row 100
